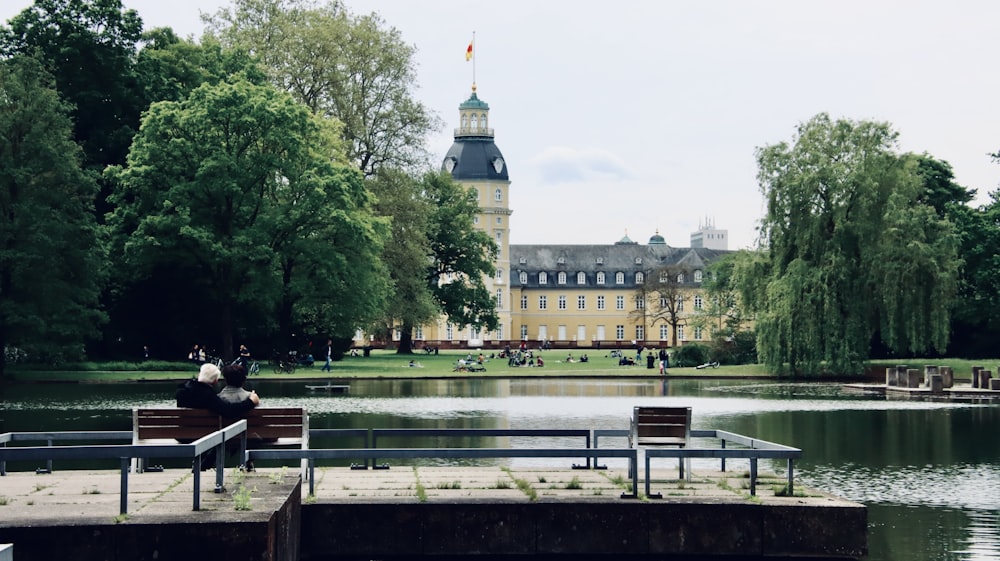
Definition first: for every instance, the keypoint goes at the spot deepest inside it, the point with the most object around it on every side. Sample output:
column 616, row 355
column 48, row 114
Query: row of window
column 601, row 277
column 581, row 333
column 581, row 302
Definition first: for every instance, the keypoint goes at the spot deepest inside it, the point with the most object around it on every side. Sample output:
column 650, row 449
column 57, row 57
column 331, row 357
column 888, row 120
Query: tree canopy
column 241, row 186
column 851, row 253
column 50, row 258
column 355, row 69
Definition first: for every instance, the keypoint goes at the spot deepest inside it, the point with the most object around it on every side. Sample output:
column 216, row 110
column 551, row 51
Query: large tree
column 243, row 188
column 850, row 251
column 89, row 47
column 438, row 259
column 50, row 259
column 355, row 69
column 663, row 294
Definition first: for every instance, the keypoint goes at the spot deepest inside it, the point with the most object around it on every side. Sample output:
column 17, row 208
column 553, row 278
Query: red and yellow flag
column 468, row 53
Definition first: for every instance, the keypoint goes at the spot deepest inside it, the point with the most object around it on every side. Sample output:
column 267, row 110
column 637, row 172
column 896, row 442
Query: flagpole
column 474, row 60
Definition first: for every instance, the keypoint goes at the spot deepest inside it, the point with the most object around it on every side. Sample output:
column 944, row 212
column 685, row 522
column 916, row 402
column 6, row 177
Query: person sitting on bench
column 200, row 394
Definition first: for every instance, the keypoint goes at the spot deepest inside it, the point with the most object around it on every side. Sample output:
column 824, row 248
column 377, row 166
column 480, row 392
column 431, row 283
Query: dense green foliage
column 50, row 260
column 851, row 252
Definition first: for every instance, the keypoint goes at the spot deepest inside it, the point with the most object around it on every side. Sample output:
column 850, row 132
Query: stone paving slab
column 81, row 495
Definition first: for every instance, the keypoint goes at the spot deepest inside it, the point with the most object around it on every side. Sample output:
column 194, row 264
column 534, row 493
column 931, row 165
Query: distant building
column 708, row 236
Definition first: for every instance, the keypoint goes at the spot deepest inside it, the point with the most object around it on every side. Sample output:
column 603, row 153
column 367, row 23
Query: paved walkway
column 77, row 496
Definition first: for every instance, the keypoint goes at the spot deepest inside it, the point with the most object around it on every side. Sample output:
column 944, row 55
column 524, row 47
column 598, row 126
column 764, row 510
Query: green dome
column 474, row 103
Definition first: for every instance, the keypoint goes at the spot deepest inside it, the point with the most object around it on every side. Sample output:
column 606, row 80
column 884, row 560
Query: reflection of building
column 569, row 295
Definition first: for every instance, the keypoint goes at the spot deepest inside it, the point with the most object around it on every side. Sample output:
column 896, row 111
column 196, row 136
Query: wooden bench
column 661, row 426
column 276, row 426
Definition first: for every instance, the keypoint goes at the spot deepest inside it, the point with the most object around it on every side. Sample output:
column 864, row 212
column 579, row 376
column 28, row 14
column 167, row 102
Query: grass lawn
column 383, row 364
column 387, row 364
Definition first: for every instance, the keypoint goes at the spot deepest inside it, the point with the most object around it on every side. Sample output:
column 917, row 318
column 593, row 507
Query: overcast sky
column 641, row 116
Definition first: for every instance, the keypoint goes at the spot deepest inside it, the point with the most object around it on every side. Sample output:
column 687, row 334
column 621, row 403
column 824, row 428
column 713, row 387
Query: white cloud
column 562, row 164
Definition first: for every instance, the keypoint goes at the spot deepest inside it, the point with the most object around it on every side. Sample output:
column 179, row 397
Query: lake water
column 928, row 471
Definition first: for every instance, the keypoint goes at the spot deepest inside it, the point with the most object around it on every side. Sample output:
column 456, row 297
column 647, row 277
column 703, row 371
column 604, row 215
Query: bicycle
column 283, row 365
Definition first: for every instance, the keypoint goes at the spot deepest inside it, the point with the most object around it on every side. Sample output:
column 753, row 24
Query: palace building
column 565, row 295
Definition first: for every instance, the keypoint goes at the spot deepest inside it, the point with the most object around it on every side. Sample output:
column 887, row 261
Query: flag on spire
column 468, row 53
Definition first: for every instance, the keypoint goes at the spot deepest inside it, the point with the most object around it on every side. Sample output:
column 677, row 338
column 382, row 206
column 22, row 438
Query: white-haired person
column 200, row 394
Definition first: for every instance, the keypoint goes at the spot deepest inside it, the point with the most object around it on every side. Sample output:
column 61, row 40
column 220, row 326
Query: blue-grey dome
column 475, row 158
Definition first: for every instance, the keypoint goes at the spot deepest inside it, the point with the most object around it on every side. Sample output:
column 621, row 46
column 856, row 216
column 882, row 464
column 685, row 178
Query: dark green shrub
column 692, row 354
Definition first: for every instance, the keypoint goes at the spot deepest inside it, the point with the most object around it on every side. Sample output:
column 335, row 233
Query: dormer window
column 600, row 277
column 619, row 278
column 543, row 278
column 522, row 260
column 600, row 260
column 581, row 278
column 640, row 278
column 638, row 260
column 680, row 278
column 522, row 277
column 561, row 260
column 561, row 277
column 697, row 276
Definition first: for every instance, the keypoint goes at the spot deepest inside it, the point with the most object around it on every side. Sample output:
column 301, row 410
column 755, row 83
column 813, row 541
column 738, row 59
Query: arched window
column 581, row 278
column 619, row 278
column 640, row 278
column 697, row 276
column 600, row 277
column 498, row 195
column 543, row 278
column 482, row 120
column 522, row 277
column 465, row 121
column 499, row 275
column 561, row 278
column 680, row 278
column 475, row 122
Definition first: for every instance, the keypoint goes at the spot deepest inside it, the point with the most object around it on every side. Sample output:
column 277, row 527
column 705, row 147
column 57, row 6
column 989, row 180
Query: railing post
column 791, row 471
column 48, row 463
column 123, row 501
column 312, row 476
column 753, row 476
column 197, row 482
column 723, row 456
column 220, row 466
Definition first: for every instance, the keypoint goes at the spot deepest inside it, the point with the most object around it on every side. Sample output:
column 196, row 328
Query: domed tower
column 475, row 161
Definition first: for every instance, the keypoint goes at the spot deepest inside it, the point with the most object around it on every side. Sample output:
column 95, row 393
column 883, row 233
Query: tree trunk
column 405, row 340
column 226, row 327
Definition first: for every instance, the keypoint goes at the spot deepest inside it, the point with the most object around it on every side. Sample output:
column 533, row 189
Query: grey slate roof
column 474, row 159
column 613, row 258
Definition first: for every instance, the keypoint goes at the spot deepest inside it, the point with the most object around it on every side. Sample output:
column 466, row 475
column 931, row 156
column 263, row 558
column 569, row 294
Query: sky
column 644, row 115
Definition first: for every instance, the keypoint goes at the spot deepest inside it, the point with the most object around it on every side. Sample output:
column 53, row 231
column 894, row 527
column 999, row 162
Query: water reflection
column 927, row 470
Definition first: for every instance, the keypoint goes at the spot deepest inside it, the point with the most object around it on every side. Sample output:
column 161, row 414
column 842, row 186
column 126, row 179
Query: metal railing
column 311, row 455
column 123, row 452
column 754, row 449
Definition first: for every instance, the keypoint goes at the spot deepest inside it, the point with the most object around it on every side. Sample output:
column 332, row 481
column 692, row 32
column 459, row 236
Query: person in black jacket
column 200, row 394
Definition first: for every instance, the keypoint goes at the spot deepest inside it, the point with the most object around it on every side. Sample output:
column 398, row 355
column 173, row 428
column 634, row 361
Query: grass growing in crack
column 574, row 483
column 452, row 485
column 541, row 479
column 782, row 491
column 421, row 491
column 619, row 481
column 310, row 499
column 524, row 486
column 4, row 501
column 121, row 518
column 40, row 487
column 502, row 484
column 278, row 476
column 241, row 498
column 92, row 491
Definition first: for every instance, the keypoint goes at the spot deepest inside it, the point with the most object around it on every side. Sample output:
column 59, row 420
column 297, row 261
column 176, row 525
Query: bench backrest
column 264, row 423
column 661, row 426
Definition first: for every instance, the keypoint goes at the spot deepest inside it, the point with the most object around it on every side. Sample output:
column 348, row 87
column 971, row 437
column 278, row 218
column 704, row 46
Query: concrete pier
column 423, row 513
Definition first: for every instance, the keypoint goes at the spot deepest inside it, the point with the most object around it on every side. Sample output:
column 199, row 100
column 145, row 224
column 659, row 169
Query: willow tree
column 851, row 253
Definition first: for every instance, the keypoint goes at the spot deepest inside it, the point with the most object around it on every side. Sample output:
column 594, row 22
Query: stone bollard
column 929, row 370
column 891, row 377
column 947, row 377
column 935, row 383
column 975, row 376
column 995, row 384
column 913, row 378
column 984, row 379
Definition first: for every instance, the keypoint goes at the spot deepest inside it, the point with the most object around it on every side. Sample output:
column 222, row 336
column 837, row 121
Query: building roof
column 475, row 158
column 589, row 259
